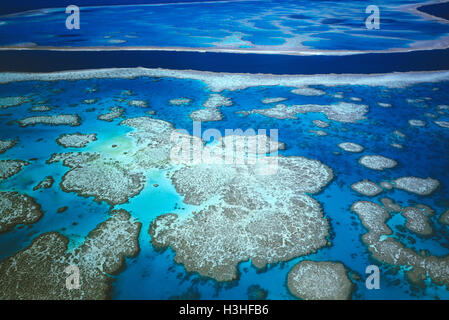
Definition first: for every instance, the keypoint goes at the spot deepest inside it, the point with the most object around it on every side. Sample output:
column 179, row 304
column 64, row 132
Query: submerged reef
column 264, row 218
column 310, row 280
column 87, row 173
column 319, row 133
column 46, row 183
column 40, row 108
column 249, row 144
column 367, row 188
column 179, row 101
column 417, row 123
column 16, row 208
column 351, row 147
column 377, row 162
column 8, row 168
column 76, row 140
column 306, row 91
column 341, row 112
column 443, row 124
column 320, row 123
column 444, row 218
column 39, row 271
column 114, row 112
column 273, row 100
column 211, row 111
column 8, row 102
column 419, row 186
column 138, row 103
column 57, row 120
column 417, row 221
column 6, row 144
column 393, row 252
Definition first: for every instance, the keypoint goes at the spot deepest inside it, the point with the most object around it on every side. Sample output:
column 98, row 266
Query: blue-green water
column 273, row 25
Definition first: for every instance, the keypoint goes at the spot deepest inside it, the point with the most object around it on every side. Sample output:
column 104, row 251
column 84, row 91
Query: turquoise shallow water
column 267, row 25
column 153, row 274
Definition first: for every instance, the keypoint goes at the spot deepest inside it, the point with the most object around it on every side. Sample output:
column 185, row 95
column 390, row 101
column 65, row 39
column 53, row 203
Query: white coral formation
column 399, row 134
column 386, row 185
column 273, row 100
column 117, row 179
column 8, row 168
column 46, row 183
column 179, row 101
column 138, row 103
column 443, row 124
column 367, row 188
column 252, row 144
column 417, row 221
column 245, row 216
column 211, row 111
column 351, row 147
column 40, row 108
column 216, row 100
column 8, row 102
column 16, row 208
column 319, row 133
column 397, row 145
column 6, row 144
column 57, row 120
column 417, row 123
column 219, row 81
column 105, row 181
column 114, row 112
column 39, row 271
column 320, row 123
column 373, row 217
column 310, row 280
column 391, row 251
column 307, row 91
column 89, row 101
column 377, row 162
column 76, row 140
column 420, row 186
column 209, row 114
column 341, row 112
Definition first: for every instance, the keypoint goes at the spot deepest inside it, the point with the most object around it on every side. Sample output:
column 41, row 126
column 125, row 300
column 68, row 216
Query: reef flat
column 6, row 144
column 114, row 113
column 341, row 112
column 17, row 209
column 417, row 185
column 367, row 188
column 8, row 168
column 310, row 280
column 38, row 272
column 263, row 218
column 58, row 120
column 391, row 251
column 377, row 162
column 76, row 140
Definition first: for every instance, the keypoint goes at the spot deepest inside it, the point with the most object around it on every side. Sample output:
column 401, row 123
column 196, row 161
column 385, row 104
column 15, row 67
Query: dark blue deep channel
column 49, row 61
